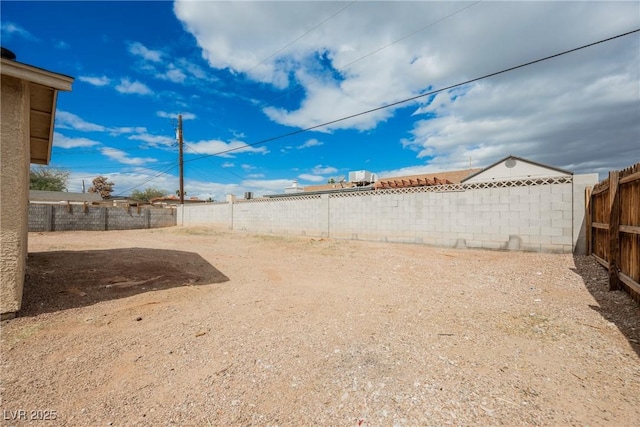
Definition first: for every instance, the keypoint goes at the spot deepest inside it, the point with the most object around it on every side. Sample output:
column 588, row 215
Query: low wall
column 545, row 215
column 47, row 217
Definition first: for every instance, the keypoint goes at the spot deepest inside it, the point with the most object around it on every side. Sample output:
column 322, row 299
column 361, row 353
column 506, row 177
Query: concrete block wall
column 127, row 219
column 162, row 218
column 219, row 214
column 45, row 217
column 75, row 217
column 303, row 215
column 547, row 218
column 537, row 218
column 40, row 217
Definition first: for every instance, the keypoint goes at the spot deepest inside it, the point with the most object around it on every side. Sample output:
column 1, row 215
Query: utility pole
column 181, row 160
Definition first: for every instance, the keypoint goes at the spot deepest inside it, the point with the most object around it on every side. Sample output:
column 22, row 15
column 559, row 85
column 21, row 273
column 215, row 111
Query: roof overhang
column 43, row 89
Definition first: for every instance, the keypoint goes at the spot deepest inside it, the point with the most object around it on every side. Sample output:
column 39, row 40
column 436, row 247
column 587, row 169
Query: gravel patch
column 198, row 327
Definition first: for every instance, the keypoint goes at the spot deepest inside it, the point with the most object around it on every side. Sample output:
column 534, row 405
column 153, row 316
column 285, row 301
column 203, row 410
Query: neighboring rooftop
column 174, row 200
column 426, row 179
column 40, row 196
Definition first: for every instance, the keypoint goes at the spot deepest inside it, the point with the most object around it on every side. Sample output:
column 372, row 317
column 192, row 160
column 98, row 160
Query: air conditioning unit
column 361, row 177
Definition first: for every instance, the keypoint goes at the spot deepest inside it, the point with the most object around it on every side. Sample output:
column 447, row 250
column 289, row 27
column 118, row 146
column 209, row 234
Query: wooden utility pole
column 181, row 160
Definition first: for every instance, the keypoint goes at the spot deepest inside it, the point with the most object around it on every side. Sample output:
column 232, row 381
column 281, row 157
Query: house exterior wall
column 14, row 191
column 546, row 218
column 521, row 170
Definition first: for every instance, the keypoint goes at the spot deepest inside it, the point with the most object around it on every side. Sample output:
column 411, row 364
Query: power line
column 413, row 98
column 229, row 171
column 373, row 52
column 159, row 174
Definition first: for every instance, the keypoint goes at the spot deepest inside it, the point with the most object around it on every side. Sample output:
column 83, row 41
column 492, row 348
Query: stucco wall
column 14, row 191
column 513, row 216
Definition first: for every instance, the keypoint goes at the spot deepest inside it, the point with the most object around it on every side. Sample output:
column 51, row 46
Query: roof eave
column 36, row 75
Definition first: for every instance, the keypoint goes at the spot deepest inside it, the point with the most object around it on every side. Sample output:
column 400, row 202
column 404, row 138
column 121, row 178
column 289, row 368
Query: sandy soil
column 199, row 327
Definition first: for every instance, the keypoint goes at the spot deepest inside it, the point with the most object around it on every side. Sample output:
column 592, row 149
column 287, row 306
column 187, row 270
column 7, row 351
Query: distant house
column 28, row 104
column 121, row 201
column 51, row 197
column 174, row 200
column 513, row 167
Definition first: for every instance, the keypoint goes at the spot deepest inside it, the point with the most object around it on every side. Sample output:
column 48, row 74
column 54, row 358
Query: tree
column 148, row 193
column 102, row 186
column 48, row 179
column 331, row 181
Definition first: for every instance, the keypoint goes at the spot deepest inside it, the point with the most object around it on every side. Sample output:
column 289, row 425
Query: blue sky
column 243, row 72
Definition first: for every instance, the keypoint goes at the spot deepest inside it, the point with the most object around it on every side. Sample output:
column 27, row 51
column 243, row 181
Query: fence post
column 614, row 231
column 588, row 218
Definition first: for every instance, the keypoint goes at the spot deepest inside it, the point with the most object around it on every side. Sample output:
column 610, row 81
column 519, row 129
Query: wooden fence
column 613, row 228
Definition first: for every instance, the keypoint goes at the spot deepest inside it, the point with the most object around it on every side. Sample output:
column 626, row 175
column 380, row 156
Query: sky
column 248, row 78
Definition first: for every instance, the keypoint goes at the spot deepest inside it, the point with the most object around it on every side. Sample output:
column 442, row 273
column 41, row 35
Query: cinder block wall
column 519, row 218
column 206, row 214
column 308, row 214
column 547, row 218
column 43, row 217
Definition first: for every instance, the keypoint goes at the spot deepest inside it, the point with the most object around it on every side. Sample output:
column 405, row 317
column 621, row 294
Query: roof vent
column 7, row 54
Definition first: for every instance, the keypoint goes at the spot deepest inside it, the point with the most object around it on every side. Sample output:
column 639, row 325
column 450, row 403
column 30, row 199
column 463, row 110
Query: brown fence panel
column 600, row 211
column 614, row 212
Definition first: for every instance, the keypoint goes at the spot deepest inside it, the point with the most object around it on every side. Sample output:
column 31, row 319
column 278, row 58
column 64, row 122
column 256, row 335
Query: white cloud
column 262, row 187
column 9, row 29
column 224, row 149
column 62, row 45
column 127, row 129
column 142, row 51
column 255, row 175
column 374, row 53
column 66, row 120
column 247, row 167
column 154, row 140
column 320, row 170
column 62, row 141
column 96, row 81
column 310, row 143
column 312, row 178
column 185, row 116
column 227, row 165
column 173, row 74
column 128, row 86
column 123, row 157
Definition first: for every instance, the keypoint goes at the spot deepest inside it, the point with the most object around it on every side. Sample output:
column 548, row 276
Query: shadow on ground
column 69, row 279
column 616, row 307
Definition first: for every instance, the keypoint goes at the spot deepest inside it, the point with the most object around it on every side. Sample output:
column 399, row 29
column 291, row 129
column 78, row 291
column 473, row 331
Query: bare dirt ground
column 199, row 327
